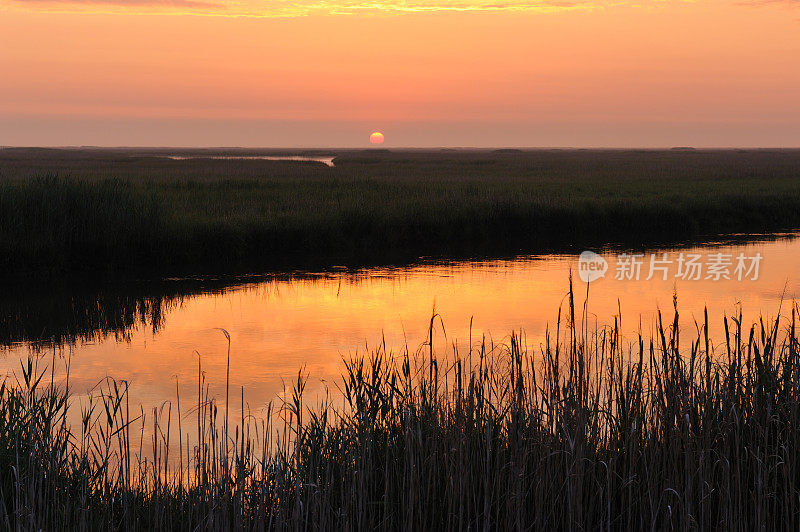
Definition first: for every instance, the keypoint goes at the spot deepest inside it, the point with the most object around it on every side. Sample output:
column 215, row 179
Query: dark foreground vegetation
column 130, row 211
column 591, row 432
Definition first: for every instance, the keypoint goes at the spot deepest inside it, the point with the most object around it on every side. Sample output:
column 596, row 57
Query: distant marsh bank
column 129, row 210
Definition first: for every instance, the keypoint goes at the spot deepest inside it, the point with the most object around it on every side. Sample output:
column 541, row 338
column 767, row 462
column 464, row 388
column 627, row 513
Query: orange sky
column 426, row 73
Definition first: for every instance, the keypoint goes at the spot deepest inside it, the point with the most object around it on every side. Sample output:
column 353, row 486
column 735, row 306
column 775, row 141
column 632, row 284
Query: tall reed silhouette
column 590, row 431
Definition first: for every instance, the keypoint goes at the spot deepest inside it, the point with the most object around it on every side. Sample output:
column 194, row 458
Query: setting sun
column 376, row 138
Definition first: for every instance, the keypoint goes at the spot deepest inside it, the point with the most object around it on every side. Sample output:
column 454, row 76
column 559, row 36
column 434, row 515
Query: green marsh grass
column 129, row 211
column 592, row 431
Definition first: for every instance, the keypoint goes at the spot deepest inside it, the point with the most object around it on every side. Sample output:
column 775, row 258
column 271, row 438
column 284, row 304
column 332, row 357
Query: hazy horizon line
column 384, row 148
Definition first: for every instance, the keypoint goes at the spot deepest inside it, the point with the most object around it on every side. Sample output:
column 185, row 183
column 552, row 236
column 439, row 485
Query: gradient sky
column 425, row 72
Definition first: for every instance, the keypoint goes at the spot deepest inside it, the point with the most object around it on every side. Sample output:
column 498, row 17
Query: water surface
column 151, row 335
column 327, row 161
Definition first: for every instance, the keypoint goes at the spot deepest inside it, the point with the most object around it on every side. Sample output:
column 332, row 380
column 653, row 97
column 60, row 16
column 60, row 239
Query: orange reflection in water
column 278, row 327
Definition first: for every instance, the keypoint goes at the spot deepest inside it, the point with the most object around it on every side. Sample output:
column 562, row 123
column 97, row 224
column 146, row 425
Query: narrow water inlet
column 327, row 161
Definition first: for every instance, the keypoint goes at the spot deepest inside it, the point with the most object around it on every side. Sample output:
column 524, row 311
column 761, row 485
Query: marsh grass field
column 135, row 211
column 593, row 431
